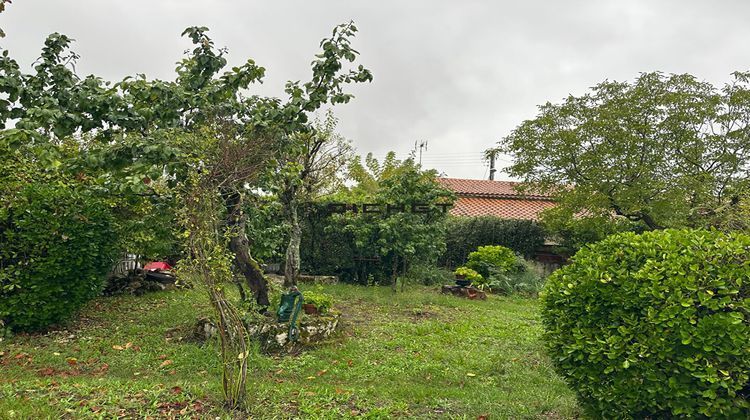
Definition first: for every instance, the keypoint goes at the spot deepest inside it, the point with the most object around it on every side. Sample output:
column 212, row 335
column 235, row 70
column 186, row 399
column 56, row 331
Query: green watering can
column 289, row 308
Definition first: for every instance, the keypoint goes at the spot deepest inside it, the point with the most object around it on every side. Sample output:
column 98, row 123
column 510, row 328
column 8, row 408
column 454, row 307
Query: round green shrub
column 57, row 244
column 490, row 259
column 654, row 325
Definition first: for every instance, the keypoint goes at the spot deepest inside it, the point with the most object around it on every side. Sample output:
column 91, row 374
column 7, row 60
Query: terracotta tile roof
column 507, row 208
column 479, row 197
column 487, row 188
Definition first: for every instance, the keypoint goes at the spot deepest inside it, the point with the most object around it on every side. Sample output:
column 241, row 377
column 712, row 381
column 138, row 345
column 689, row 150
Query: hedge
column 466, row 234
column 654, row 325
column 58, row 243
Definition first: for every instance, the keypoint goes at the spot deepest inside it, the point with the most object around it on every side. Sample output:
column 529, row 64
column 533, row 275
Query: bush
column 58, row 243
column 428, row 275
column 573, row 231
column 469, row 274
column 654, row 325
column 525, row 283
column 465, row 234
column 487, row 260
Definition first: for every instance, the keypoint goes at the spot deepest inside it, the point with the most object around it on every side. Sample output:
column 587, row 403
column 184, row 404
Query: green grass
column 415, row 354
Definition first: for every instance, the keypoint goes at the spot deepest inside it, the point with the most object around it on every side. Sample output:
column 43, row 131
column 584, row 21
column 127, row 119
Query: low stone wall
column 274, row 336
column 309, row 279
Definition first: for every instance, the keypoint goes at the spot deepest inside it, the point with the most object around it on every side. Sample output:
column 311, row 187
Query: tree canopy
column 665, row 150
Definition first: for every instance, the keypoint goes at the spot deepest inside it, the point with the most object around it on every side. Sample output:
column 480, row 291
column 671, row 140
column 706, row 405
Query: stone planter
column 465, row 292
column 274, row 336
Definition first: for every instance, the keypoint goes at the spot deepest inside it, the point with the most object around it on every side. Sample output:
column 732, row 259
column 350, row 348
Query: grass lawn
column 416, row 354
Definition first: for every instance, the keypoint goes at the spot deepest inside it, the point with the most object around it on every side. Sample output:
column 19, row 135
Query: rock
column 466, row 292
column 204, row 329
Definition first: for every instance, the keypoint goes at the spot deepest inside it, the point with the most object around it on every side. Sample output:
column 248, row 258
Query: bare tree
column 313, row 169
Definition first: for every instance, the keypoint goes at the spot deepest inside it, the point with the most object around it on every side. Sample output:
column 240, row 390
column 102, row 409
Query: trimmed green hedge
column 57, row 244
column 466, row 234
column 654, row 325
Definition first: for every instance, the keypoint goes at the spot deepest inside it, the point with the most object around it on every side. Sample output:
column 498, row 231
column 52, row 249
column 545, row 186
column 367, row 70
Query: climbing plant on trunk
column 228, row 160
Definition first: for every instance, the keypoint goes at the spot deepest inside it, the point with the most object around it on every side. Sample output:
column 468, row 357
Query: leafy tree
column 664, row 150
column 227, row 158
column 401, row 235
column 133, row 128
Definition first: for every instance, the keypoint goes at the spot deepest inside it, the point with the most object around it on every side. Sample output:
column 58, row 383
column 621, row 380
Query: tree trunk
column 240, row 246
column 291, row 265
column 394, row 273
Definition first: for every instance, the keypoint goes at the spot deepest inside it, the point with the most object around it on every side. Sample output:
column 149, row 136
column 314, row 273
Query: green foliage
column 572, row 232
column 654, row 325
column 524, row 280
column 396, row 240
column 665, row 150
column 264, row 228
column 58, row 242
column 492, row 259
column 427, row 274
column 322, row 301
column 464, row 234
column 469, row 274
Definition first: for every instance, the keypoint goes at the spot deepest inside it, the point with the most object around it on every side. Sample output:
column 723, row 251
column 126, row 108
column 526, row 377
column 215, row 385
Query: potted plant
column 466, row 276
column 316, row 303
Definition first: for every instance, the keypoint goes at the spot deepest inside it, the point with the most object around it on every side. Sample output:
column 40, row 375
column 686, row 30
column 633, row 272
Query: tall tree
column 310, row 170
column 131, row 126
column 665, row 150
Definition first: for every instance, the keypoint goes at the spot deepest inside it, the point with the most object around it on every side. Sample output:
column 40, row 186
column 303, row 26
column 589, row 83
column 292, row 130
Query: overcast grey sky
column 459, row 74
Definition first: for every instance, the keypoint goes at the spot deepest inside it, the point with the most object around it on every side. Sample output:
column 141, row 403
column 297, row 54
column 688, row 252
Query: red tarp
column 157, row 265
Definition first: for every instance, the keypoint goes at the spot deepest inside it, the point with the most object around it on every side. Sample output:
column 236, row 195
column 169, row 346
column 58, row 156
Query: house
column 481, row 197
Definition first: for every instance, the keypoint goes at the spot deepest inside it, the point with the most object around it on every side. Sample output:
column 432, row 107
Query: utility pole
column 422, row 145
column 492, row 166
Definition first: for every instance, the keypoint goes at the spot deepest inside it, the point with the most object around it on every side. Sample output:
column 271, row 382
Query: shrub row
column 466, row 234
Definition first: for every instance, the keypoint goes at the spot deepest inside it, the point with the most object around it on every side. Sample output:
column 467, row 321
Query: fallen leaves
column 125, row 347
column 47, row 372
column 165, row 363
